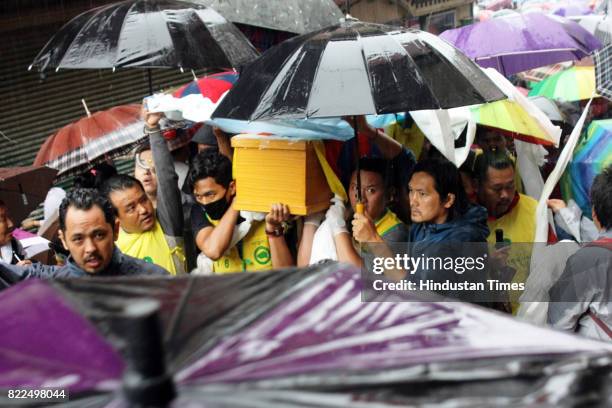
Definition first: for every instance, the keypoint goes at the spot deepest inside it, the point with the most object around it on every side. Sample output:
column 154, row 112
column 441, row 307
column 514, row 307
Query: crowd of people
column 174, row 217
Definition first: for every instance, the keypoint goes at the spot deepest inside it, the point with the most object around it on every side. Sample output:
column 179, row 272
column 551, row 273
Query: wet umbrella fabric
column 573, row 84
column 603, row 72
column 199, row 98
column 23, row 188
column 356, row 68
column 279, row 333
column 293, row 16
column 147, row 34
column 592, row 155
column 518, row 43
column 102, row 136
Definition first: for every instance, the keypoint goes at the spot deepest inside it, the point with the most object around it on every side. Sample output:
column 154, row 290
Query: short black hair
column 95, row 177
column 497, row 159
column 119, row 182
column 447, row 180
column 210, row 164
column 85, row 199
column 601, row 197
column 2, row 203
column 375, row 165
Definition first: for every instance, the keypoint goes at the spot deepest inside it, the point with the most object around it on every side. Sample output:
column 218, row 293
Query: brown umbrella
column 23, row 188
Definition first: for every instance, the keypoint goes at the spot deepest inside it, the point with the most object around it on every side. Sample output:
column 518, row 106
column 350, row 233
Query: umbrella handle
column 359, row 208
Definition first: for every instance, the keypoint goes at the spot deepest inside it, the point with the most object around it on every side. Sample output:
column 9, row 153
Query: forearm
column 305, row 246
column 389, row 148
column 216, row 242
column 169, row 208
column 224, row 143
column 345, row 250
column 281, row 256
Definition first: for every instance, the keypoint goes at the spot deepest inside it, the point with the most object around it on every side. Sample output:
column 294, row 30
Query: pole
column 347, row 7
column 150, row 75
column 359, row 209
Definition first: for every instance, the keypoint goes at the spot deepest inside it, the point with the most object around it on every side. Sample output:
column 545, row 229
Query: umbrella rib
column 417, row 69
column 439, row 55
column 99, row 10
column 367, row 67
column 129, row 10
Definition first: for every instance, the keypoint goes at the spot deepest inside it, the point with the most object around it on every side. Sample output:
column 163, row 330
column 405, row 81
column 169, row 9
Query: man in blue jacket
column 88, row 229
column 445, row 226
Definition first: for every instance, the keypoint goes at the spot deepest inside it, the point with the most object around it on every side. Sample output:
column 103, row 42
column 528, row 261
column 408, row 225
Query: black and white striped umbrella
column 356, row 68
column 147, row 34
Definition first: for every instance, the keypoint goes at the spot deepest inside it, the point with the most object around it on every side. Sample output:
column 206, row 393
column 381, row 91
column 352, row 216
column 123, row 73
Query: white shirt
column 7, row 253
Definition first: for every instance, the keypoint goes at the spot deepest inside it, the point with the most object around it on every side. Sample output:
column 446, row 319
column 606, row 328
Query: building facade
column 434, row 16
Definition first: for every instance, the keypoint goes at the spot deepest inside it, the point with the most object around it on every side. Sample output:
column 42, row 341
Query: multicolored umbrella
column 592, row 154
column 517, row 43
column 510, row 118
column 573, row 84
column 541, row 73
column 98, row 137
column 516, row 116
column 200, row 97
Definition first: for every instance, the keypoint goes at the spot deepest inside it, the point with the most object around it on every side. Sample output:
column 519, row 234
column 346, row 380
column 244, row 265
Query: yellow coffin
column 271, row 170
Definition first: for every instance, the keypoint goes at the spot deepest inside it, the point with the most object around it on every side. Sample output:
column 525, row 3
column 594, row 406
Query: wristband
column 148, row 130
column 276, row 233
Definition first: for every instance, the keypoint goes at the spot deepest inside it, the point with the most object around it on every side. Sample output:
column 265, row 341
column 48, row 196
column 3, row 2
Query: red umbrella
column 97, row 137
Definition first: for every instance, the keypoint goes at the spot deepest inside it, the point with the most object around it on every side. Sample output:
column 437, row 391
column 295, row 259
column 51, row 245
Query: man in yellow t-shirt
column 511, row 213
column 154, row 235
column 508, row 210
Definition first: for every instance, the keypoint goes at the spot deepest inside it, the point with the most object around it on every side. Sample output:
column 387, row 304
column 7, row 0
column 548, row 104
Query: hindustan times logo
column 413, row 264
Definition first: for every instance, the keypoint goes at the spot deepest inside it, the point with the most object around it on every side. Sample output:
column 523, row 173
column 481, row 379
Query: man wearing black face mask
column 214, row 222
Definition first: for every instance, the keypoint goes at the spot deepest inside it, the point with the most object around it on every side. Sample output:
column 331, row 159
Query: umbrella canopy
column 541, row 73
column 291, row 335
column 23, row 188
column 573, row 84
column 517, row 43
column 515, row 116
column 294, row 16
column 147, row 34
column 549, row 107
column 603, row 71
column 572, row 9
column 592, row 154
column 512, row 119
column 599, row 25
column 199, row 98
column 99, row 137
column 356, row 68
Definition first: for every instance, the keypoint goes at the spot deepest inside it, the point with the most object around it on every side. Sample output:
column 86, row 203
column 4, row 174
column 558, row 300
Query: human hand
column 364, row 229
column 25, row 262
column 499, row 257
column 279, row 214
column 556, row 205
column 336, row 216
column 151, row 119
column 30, row 223
column 362, row 125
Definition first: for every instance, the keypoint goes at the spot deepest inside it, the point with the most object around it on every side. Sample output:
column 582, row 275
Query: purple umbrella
column 46, row 343
column 299, row 337
column 525, row 41
column 572, row 9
